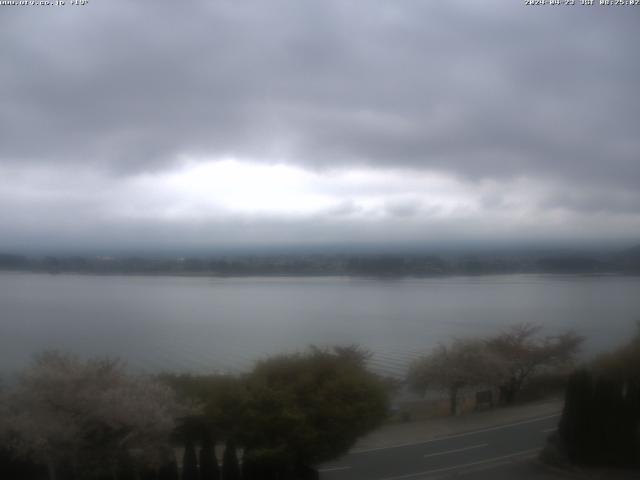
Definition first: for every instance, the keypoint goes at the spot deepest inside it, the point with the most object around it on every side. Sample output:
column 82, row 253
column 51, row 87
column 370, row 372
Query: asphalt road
column 496, row 452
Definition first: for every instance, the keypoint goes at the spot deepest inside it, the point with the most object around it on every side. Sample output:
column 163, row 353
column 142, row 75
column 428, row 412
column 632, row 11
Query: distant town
column 626, row 261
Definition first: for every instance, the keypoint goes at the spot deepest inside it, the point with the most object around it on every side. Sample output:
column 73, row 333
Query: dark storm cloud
column 477, row 91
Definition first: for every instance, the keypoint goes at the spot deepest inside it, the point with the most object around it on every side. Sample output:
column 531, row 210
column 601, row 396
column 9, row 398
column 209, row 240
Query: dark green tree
column 209, row 469
column 230, row 464
column 169, row 468
column 126, row 468
column 307, row 408
column 223, row 399
column 600, row 423
column 23, row 468
column 189, row 462
column 575, row 427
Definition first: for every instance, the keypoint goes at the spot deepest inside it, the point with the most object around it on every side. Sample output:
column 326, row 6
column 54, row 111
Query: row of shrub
column 600, row 424
column 94, row 420
column 601, row 420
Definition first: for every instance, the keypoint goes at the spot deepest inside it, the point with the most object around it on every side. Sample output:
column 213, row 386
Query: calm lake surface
column 206, row 324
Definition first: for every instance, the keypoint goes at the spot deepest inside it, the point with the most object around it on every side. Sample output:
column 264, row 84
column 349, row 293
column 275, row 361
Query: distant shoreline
column 322, row 275
column 326, row 265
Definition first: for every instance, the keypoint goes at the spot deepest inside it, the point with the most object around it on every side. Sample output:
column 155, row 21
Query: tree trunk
column 51, row 469
column 509, row 390
column 453, row 400
column 230, row 465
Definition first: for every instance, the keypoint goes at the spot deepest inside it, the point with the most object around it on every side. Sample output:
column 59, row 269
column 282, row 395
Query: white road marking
column 456, row 450
column 463, row 465
column 332, row 469
column 548, row 430
column 458, row 435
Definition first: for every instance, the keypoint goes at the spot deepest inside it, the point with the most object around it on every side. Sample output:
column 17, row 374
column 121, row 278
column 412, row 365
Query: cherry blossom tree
column 524, row 352
column 87, row 415
column 462, row 363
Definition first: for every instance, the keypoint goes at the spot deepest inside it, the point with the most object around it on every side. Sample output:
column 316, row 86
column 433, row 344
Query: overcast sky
column 202, row 124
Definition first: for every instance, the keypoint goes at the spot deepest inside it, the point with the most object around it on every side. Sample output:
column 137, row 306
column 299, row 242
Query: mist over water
column 225, row 324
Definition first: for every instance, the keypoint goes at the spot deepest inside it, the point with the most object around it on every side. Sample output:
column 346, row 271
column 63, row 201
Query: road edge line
column 465, row 465
column 455, row 435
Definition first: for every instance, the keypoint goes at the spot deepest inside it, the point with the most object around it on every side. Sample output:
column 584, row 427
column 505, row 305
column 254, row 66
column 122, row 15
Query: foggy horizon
column 472, row 247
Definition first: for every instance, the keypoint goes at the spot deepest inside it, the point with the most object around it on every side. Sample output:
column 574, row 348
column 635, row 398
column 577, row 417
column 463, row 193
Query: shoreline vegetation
column 626, row 262
column 74, row 419
column 600, row 423
column 292, row 412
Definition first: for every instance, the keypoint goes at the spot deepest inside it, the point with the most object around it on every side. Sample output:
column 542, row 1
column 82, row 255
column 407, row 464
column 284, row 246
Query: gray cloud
column 500, row 91
column 133, row 85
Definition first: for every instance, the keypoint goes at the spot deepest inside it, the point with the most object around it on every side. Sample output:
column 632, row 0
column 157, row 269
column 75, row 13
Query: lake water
column 206, row 324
